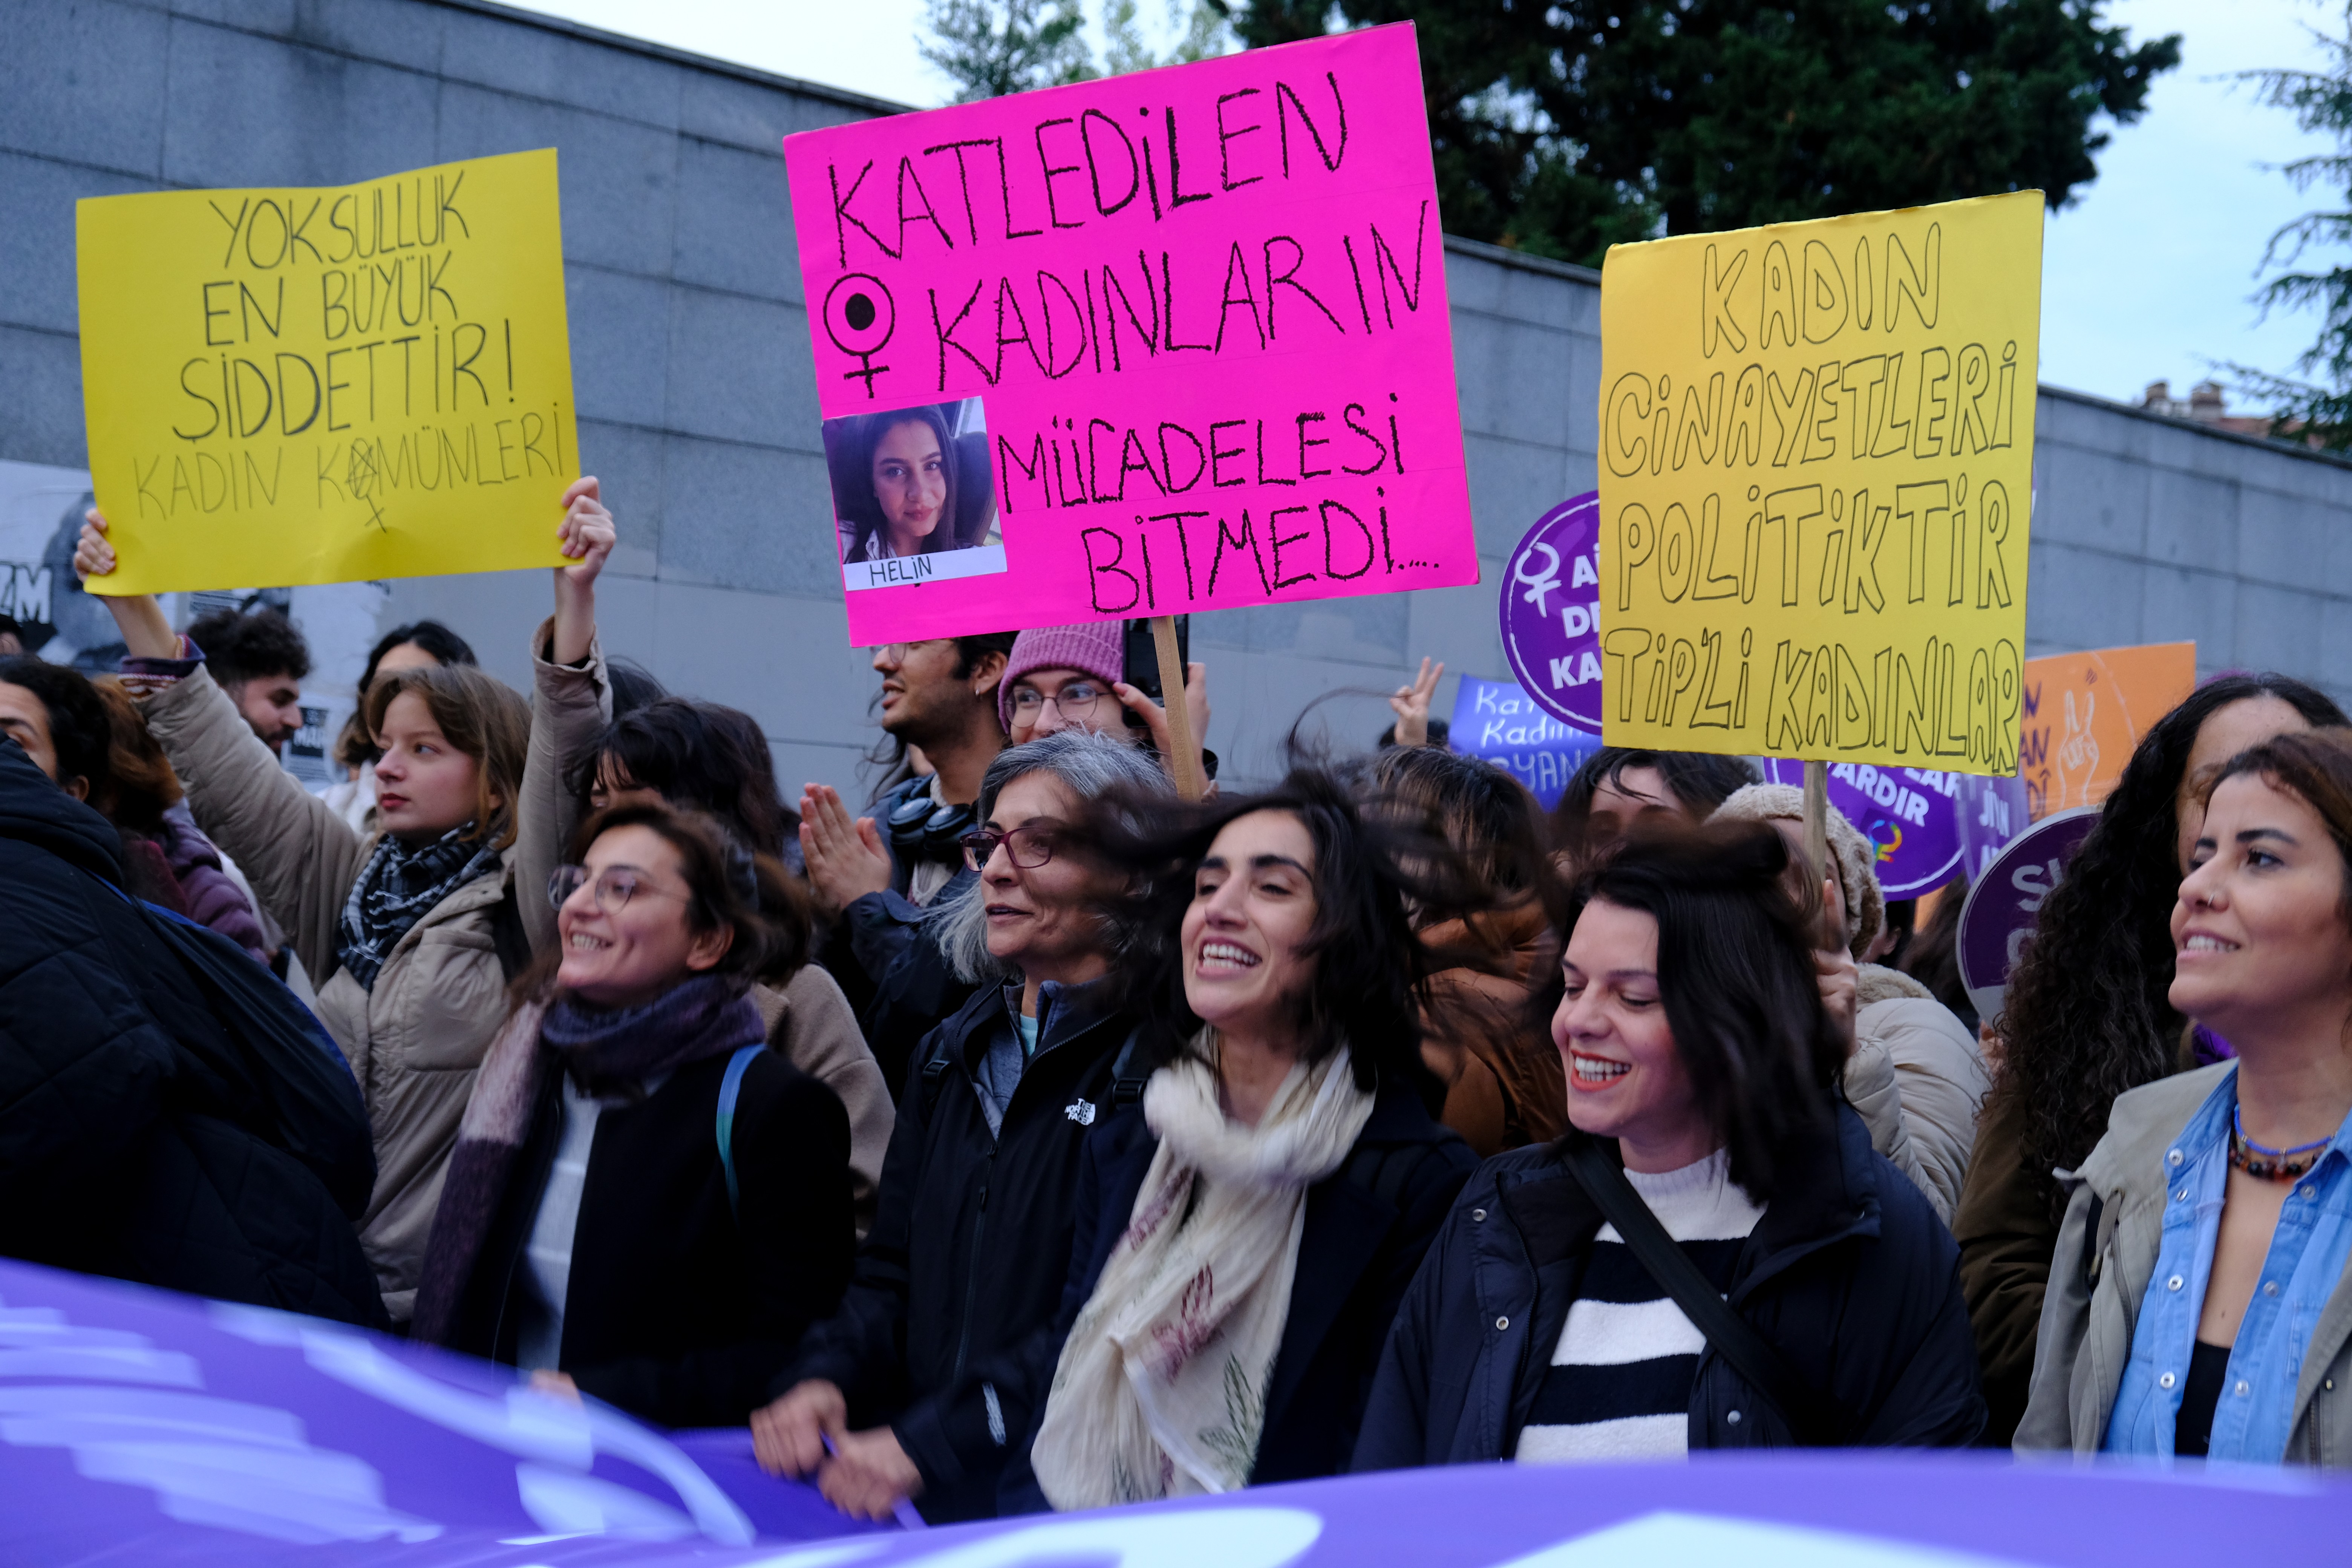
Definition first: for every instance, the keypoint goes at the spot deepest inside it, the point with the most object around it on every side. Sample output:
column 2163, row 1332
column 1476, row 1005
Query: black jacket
column 962, row 1270
column 1849, row 1274
column 897, row 980
column 673, row 1311
column 1367, row 1225
column 914, row 988
column 151, row 1128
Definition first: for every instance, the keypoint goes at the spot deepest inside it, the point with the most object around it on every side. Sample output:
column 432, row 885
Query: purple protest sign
column 2005, row 903
column 1929, row 826
column 1552, row 612
column 1498, row 722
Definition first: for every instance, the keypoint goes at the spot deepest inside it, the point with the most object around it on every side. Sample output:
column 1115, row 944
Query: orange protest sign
column 2084, row 713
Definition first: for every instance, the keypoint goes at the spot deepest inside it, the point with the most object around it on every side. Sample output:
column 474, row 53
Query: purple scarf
column 609, row 1053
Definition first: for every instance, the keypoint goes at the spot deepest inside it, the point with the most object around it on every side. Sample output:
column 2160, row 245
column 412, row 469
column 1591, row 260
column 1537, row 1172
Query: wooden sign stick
column 1186, row 763
column 1817, row 827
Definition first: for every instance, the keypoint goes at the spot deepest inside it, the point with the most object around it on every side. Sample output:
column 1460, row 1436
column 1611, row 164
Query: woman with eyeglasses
column 645, row 1204
column 410, row 931
column 691, row 756
column 1057, row 681
column 1075, row 677
column 910, row 1391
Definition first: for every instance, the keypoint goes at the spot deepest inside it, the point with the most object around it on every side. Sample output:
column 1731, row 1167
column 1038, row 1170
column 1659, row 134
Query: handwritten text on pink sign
column 1188, row 326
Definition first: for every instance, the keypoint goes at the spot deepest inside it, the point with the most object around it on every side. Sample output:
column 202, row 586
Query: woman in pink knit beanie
column 1062, row 677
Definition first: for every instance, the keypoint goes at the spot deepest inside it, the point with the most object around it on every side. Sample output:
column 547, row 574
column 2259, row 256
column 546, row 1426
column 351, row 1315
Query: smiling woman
column 2197, row 1300
column 1283, row 1149
column 1699, row 1065
column 933, row 1355
column 410, row 931
column 593, row 1230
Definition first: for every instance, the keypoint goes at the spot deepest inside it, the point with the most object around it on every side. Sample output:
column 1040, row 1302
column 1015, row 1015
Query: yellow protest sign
column 1816, row 486
column 287, row 386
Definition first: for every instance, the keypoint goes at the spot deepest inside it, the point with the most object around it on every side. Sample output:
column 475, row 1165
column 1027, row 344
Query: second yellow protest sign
column 287, row 386
column 1816, row 486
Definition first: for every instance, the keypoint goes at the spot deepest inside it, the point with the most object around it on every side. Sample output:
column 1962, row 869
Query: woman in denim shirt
column 2200, row 1300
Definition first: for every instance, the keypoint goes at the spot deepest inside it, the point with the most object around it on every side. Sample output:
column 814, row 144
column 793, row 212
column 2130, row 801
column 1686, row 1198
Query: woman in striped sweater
column 1701, row 1097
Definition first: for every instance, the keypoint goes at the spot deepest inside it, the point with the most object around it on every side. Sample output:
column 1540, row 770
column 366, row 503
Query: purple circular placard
column 1926, row 826
column 2005, row 902
column 1552, row 610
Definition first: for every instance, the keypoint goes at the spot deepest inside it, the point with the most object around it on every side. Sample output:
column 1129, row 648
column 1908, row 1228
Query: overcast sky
column 2147, row 276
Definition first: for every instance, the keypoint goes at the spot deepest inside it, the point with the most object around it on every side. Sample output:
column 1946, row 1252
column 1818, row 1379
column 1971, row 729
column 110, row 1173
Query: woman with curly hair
column 2089, row 1017
column 2200, row 1298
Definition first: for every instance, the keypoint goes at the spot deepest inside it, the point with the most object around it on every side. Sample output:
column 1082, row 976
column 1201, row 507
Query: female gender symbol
column 859, row 317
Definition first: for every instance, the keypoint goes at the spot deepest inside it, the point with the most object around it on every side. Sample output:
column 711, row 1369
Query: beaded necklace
column 2270, row 1164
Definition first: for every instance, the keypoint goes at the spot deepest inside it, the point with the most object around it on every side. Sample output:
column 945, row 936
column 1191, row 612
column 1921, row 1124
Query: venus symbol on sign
column 859, row 317
column 1539, row 586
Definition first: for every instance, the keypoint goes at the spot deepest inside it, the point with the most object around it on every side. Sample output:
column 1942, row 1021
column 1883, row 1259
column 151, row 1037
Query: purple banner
column 140, row 1428
column 1929, row 827
column 2005, row 903
column 155, row 1425
column 1552, row 612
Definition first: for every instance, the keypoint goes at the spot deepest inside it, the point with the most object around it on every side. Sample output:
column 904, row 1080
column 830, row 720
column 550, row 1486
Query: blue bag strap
column 729, row 1089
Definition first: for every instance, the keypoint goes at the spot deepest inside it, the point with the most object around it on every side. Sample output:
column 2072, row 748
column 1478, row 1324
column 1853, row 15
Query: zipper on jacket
column 972, row 1277
column 987, row 1169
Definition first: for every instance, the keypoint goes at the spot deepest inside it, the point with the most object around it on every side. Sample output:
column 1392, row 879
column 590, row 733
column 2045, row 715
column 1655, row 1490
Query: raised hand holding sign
column 291, row 387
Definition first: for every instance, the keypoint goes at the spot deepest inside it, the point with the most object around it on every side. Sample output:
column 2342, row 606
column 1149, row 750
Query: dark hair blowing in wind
column 698, row 756
column 1368, row 969
column 2088, row 1015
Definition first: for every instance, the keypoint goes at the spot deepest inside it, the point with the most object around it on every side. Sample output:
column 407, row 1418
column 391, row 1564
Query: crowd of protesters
column 1032, row 1137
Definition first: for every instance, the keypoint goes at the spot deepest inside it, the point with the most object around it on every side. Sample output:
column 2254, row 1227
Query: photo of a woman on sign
column 914, row 499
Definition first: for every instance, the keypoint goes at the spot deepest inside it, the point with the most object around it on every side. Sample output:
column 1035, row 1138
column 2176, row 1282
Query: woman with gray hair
column 933, row 1358
column 984, row 937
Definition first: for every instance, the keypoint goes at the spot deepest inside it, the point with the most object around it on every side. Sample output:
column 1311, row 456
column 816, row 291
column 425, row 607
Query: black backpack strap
column 1128, row 1075
column 1756, row 1358
column 508, row 937
column 932, row 1073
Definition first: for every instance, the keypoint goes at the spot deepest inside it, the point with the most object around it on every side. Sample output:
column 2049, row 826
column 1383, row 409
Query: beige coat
column 2098, row 1279
column 415, row 1040
column 1916, row 1078
column 810, row 1022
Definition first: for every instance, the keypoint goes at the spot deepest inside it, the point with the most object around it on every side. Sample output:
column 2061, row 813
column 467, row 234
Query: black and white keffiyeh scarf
column 398, row 886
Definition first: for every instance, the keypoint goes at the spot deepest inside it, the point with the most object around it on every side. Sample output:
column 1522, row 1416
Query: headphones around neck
column 922, row 830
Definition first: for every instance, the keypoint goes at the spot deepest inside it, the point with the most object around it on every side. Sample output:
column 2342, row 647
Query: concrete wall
column 692, row 372
column 2149, row 528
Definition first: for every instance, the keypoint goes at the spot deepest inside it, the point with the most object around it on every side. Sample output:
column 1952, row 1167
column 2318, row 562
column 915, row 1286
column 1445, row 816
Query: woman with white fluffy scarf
column 1245, row 1234
column 1917, row 1076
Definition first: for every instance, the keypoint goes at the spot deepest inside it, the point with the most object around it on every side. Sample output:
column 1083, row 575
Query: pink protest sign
column 1167, row 342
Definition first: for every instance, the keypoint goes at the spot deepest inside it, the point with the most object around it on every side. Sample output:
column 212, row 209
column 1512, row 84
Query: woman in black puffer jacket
column 1701, row 1071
